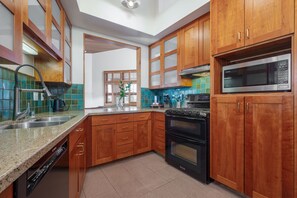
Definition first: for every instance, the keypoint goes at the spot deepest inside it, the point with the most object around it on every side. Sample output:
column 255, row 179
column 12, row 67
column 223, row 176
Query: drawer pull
column 79, row 129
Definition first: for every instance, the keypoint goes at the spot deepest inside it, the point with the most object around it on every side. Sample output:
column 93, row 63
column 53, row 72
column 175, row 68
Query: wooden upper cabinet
column 195, row 43
column 268, row 19
column 227, row 141
column 56, row 26
column 269, row 146
column 189, row 45
column 11, row 31
column 239, row 23
column 204, row 40
column 142, row 136
column 227, row 25
column 104, row 143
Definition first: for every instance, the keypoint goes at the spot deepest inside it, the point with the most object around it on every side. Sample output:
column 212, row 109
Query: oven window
column 184, row 125
column 184, row 152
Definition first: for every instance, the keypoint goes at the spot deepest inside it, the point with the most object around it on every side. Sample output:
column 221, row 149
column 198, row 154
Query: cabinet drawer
column 160, row 116
column 159, row 125
column 124, row 118
column 124, row 138
column 102, row 120
column 159, row 147
column 125, row 127
column 75, row 134
column 142, row 116
column 124, row 151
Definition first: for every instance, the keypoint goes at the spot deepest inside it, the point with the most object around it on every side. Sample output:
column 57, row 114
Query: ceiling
column 145, row 25
column 94, row 44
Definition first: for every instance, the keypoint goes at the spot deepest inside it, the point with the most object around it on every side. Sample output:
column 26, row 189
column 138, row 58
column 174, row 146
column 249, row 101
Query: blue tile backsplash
column 73, row 95
column 199, row 85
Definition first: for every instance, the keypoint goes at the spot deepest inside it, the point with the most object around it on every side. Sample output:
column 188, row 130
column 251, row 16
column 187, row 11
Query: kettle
column 59, row 105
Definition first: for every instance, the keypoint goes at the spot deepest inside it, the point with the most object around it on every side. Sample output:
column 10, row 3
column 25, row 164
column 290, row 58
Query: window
column 111, row 85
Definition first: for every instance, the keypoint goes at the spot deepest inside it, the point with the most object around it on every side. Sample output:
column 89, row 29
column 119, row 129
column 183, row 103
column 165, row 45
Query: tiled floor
column 146, row 176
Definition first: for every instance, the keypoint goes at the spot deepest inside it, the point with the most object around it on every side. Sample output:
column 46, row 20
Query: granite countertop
column 21, row 148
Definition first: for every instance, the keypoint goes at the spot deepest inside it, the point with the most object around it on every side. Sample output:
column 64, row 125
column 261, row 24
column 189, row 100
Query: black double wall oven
column 187, row 142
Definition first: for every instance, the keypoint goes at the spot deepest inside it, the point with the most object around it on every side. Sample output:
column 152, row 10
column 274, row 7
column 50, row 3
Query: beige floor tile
column 147, row 176
column 124, row 182
column 97, row 186
column 82, row 195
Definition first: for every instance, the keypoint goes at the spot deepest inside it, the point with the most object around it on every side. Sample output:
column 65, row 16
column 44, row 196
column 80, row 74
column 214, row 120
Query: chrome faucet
column 17, row 114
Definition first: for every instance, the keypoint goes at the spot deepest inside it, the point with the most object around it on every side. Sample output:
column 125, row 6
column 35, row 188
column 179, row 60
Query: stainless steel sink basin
column 38, row 122
column 55, row 119
column 31, row 124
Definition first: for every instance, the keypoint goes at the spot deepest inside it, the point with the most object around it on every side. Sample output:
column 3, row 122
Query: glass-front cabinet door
column 67, row 43
column 56, row 26
column 11, row 31
column 37, row 17
column 155, row 65
column 170, row 61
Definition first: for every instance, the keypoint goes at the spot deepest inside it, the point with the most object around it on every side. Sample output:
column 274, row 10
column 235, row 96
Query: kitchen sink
column 38, row 122
column 55, row 119
column 31, row 124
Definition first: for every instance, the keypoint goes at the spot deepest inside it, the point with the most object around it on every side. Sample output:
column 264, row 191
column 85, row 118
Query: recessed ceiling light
column 131, row 4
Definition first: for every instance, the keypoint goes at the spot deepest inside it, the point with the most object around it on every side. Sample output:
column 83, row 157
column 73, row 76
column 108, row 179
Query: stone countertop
column 21, row 148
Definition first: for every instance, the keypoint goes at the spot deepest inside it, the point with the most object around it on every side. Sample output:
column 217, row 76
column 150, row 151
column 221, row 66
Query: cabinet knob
column 247, row 107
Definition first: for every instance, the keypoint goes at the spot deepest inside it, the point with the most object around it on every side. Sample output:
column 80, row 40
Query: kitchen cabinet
column 195, row 43
column 56, row 28
column 165, row 63
column 77, row 160
column 11, row 31
column 7, row 193
column 227, row 141
column 119, row 136
column 252, row 144
column 269, row 146
column 238, row 23
column 158, row 137
column 104, row 143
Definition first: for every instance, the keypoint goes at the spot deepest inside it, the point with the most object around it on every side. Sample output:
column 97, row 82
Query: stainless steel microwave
column 267, row 74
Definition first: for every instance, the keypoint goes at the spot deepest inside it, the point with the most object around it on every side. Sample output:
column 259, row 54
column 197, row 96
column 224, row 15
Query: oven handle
column 186, row 139
column 188, row 118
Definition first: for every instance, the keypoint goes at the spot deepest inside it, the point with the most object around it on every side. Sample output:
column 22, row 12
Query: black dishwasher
column 47, row 178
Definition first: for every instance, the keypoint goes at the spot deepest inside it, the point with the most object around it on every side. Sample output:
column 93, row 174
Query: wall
column 199, row 85
column 78, row 57
column 120, row 59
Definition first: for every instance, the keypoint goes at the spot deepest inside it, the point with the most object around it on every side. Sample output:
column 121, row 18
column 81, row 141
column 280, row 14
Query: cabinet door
column 227, row 22
column 269, row 146
column 103, row 143
column 204, row 40
column 268, row 19
column 7, row 193
column 227, row 141
column 82, row 161
column 142, row 136
column 73, row 173
column 189, row 46
column 11, row 31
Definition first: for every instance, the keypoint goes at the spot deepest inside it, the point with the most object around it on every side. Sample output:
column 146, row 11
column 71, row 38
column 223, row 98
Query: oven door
column 188, row 155
column 194, row 128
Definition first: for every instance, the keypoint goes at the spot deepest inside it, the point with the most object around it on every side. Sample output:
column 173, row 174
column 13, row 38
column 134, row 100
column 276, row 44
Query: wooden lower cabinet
column 269, row 146
column 142, row 136
column 254, row 134
column 103, row 143
column 227, row 141
column 119, row 136
column 158, row 137
column 7, row 193
column 77, row 160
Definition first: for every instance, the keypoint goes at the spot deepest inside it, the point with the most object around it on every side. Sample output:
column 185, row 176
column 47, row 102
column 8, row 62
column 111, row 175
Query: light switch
column 35, row 96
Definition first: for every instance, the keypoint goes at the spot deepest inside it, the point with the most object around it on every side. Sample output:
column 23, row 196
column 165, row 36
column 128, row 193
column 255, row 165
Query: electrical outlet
column 35, row 96
column 42, row 97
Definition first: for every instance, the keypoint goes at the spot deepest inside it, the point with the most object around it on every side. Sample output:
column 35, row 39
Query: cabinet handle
column 79, row 130
column 248, row 33
column 239, row 36
column 238, row 106
column 247, row 107
column 82, row 146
